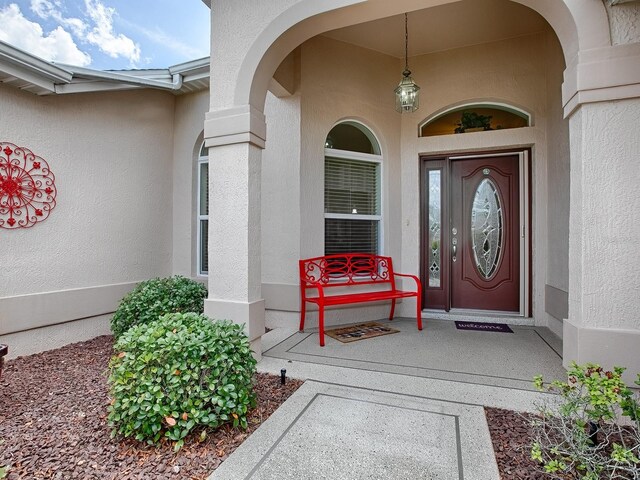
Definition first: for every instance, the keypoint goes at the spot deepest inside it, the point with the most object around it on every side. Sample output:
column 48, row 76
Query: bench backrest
column 345, row 269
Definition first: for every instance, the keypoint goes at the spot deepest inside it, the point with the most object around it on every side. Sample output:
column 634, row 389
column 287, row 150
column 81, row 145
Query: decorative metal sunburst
column 27, row 187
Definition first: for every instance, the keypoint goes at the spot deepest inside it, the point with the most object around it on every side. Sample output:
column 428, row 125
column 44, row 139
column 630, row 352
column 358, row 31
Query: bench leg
column 419, row 311
column 393, row 309
column 303, row 311
column 321, row 324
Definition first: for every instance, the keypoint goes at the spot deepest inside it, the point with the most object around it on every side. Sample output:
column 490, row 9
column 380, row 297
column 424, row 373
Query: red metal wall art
column 27, row 187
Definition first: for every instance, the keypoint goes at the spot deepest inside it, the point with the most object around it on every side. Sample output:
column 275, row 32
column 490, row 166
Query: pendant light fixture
column 407, row 92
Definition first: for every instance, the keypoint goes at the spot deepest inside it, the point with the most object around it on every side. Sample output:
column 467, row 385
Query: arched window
column 352, row 190
column 475, row 117
column 202, row 211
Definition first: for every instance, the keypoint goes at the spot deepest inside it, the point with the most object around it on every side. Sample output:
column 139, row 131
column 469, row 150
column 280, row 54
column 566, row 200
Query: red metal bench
column 342, row 274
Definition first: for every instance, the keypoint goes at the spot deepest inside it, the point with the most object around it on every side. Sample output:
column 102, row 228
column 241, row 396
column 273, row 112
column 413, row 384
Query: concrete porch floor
column 402, row 406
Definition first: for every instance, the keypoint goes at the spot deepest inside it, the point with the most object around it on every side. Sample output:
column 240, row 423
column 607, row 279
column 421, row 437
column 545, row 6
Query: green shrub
column 154, row 298
column 177, row 373
column 593, row 430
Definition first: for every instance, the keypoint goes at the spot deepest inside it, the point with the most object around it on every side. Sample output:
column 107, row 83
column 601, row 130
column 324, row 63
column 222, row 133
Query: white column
column 604, row 261
column 235, row 138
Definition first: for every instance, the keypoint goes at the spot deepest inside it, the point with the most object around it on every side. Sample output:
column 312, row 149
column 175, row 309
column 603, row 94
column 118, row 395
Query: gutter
column 190, row 66
column 20, row 58
column 87, row 73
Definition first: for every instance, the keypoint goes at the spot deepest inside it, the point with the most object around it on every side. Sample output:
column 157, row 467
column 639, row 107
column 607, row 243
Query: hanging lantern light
column 407, row 92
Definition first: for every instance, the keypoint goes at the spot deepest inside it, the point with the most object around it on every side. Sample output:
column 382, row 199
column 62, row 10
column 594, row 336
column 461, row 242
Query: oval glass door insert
column 486, row 228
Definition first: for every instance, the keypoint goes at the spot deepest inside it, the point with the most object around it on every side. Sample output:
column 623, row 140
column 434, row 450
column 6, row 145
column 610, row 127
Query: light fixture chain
column 406, row 42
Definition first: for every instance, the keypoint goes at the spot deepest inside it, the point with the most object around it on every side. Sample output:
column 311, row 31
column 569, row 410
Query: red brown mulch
column 53, row 422
column 510, row 436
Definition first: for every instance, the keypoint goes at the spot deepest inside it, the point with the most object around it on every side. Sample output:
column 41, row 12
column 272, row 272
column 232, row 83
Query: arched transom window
column 475, row 117
column 352, row 190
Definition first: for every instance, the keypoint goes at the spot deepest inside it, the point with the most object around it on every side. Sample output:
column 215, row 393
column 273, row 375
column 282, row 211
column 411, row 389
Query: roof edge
column 43, row 68
column 31, row 73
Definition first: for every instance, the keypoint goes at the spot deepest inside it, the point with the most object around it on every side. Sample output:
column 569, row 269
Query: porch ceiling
column 454, row 25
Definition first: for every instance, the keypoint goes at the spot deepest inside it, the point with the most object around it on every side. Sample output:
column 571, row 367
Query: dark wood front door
column 471, row 232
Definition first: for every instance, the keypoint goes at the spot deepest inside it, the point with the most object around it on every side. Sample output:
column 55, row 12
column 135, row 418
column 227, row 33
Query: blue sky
column 108, row 34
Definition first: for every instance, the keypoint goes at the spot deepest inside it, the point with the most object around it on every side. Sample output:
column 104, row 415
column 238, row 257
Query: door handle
column 455, row 250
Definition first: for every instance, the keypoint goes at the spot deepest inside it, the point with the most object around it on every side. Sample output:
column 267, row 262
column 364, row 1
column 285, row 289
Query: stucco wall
column 281, row 200
column 189, row 119
column 111, row 154
column 605, row 223
column 558, row 187
column 603, row 324
column 341, row 81
column 624, row 22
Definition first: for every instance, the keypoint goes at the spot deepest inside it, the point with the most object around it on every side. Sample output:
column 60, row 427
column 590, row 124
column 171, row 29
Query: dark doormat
column 360, row 331
column 484, row 327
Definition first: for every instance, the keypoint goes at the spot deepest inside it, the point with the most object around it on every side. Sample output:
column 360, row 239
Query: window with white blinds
column 203, row 212
column 352, row 201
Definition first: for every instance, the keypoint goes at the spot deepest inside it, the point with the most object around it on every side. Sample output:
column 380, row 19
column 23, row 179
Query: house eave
column 32, row 74
column 28, row 72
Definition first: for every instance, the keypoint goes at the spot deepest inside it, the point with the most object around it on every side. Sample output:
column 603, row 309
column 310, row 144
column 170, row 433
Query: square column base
column 251, row 314
column 606, row 347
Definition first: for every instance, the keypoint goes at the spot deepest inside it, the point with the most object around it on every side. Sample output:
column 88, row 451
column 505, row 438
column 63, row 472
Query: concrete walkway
column 381, row 409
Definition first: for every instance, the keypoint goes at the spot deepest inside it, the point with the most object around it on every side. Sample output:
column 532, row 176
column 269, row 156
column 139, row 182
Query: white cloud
column 96, row 29
column 103, row 36
column 57, row 46
column 46, row 9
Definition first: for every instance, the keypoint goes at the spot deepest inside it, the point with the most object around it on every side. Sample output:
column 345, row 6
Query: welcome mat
column 360, row 332
column 485, row 327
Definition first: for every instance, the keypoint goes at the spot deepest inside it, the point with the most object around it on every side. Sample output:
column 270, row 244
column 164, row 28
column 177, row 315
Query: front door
column 472, row 232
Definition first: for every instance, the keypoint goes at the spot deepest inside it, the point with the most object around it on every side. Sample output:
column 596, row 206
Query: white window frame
column 362, row 157
column 202, row 159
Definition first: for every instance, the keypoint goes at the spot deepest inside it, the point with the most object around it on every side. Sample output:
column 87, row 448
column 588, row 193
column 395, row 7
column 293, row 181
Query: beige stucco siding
column 558, row 188
column 342, row 81
column 111, row 154
column 189, row 120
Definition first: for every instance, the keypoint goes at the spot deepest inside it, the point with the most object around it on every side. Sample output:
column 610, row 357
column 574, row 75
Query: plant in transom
column 593, row 431
column 473, row 120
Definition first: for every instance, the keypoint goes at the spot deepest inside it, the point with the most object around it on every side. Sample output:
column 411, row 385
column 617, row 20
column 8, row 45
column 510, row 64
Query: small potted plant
column 473, row 122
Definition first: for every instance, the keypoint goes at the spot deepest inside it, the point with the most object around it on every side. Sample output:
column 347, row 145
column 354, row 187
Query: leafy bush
column 154, row 298
column 177, row 373
column 593, row 432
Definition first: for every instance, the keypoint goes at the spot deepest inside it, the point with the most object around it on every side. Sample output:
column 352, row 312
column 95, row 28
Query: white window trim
column 199, row 216
column 363, row 157
column 346, row 154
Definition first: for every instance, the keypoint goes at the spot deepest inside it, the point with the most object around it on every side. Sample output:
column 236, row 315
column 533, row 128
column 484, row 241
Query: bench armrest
column 417, row 280
column 317, row 285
